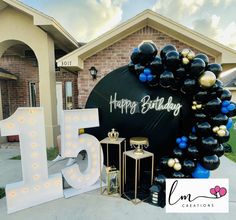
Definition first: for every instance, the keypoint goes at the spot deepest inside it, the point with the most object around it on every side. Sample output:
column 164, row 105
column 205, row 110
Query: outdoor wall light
column 93, row 72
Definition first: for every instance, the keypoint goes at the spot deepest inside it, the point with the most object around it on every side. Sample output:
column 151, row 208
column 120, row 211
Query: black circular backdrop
column 161, row 127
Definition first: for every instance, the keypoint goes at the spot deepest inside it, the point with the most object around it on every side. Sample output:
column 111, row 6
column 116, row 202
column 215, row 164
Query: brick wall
column 118, row 55
column 16, row 93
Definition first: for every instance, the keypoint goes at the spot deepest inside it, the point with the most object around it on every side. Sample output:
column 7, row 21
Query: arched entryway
column 19, row 81
column 18, row 27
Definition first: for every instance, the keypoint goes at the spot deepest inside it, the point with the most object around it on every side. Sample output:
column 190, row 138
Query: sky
column 87, row 19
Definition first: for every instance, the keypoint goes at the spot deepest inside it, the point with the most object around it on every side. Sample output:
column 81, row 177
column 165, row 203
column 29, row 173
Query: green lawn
column 51, row 154
column 2, row 193
column 232, row 142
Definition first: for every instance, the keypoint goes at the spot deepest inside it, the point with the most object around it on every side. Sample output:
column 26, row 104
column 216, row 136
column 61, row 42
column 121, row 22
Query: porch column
column 47, row 90
column 2, row 139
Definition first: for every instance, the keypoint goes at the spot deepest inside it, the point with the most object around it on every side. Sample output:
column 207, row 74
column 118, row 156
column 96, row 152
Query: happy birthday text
column 146, row 104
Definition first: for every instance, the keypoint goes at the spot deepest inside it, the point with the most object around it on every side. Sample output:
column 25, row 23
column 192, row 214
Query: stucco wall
column 233, row 95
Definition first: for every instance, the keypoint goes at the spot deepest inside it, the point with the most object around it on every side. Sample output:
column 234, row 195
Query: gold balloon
column 216, row 129
column 177, row 166
column 194, row 107
column 223, row 127
column 194, row 103
column 199, row 106
column 191, row 55
column 207, row 79
column 185, row 52
column 171, row 162
column 176, row 160
column 221, row 133
column 185, row 61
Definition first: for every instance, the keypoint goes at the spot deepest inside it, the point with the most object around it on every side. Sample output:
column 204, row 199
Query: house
column 229, row 80
column 30, row 41
column 113, row 49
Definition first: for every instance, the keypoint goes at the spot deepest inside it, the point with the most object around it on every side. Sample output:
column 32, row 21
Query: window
column 32, row 93
column 69, row 103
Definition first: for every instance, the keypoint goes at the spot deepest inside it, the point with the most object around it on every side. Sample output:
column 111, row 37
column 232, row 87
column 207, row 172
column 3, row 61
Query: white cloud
column 177, row 8
column 91, row 18
column 212, row 18
column 228, row 35
column 87, row 19
column 84, row 19
column 207, row 26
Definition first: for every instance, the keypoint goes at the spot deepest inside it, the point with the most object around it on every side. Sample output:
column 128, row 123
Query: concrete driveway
column 94, row 206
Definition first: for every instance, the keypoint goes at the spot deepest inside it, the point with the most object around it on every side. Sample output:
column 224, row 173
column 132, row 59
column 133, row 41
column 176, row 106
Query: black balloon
column 215, row 68
column 219, row 91
column 192, row 138
column 155, row 48
column 226, row 95
column 211, row 162
column 178, row 174
column 177, row 85
column 202, row 96
column 224, row 139
column 212, row 95
column 203, row 129
column 180, row 73
column 147, row 53
column 213, row 106
column 219, row 151
column 219, row 119
column 138, row 68
column 188, row 166
column 197, row 67
column 172, row 60
column 166, row 49
column 135, row 57
column 161, row 180
column 131, row 67
column 189, row 86
column 204, row 57
column 217, row 86
column 156, row 66
column 167, row 79
column 164, row 162
column 209, row 143
column 200, row 117
column 178, row 153
column 154, row 82
column 232, row 113
column 193, row 152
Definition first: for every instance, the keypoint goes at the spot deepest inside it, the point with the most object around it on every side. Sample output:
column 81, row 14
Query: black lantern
column 155, row 194
column 93, row 72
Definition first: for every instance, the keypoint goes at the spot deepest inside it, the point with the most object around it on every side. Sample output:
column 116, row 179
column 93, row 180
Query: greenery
column 232, row 143
column 51, row 154
column 18, row 157
column 2, row 193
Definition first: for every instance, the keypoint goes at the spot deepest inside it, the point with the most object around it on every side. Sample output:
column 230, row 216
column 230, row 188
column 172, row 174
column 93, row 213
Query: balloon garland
column 197, row 152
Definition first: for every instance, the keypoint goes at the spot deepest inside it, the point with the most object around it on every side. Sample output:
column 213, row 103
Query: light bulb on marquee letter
column 31, row 191
column 72, row 143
